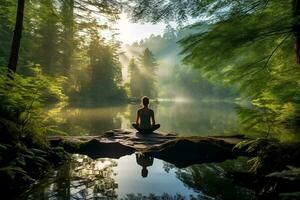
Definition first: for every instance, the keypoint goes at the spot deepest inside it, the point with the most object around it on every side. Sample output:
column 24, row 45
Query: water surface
column 105, row 178
column 183, row 118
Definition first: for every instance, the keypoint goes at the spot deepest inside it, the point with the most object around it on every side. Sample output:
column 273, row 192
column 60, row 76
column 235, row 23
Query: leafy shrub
column 22, row 119
column 271, row 155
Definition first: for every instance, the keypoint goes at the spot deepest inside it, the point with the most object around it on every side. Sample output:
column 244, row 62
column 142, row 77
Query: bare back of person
column 145, row 121
column 145, row 115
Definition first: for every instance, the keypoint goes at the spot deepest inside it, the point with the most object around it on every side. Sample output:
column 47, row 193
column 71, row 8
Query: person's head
column 145, row 101
column 144, row 172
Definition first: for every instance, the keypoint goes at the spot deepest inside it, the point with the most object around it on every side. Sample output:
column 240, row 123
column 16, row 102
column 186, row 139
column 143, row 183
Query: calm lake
column 106, row 178
column 183, row 118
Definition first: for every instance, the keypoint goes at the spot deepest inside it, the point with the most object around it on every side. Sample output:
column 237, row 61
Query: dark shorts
column 150, row 130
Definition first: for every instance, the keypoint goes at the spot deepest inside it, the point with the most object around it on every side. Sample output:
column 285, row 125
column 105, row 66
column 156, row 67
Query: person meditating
column 144, row 118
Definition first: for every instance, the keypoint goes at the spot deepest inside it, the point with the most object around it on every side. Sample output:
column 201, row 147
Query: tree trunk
column 68, row 35
column 15, row 46
column 296, row 29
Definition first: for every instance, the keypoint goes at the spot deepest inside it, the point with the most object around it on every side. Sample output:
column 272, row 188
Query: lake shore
column 264, row 176
column 179, row 150
column 272, row 178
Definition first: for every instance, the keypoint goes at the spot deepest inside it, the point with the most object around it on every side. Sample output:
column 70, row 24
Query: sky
column 131, row 32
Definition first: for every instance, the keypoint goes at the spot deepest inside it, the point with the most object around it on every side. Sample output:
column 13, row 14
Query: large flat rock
column 178, row 150
column 144, row 142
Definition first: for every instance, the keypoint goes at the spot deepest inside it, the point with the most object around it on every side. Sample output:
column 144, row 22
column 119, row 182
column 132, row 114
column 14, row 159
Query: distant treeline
column 173, row 78
column 251, row 45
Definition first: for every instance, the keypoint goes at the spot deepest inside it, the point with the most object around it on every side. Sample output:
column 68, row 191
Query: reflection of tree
column 164, row 196
column 64, row 182
column 211, row 179
column 87, row 121
column 83, row 178
column 93, row 178
column 207, row 118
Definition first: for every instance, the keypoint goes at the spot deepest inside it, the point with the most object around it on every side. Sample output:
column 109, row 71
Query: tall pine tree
column 135, row 79
column 148, row 73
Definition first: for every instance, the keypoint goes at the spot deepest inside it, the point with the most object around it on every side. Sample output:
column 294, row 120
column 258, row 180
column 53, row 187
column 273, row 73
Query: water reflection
column 144, row 161
column 211, row 179
column 87, row 121
column 190, row 118
column 85, row 178
column 104, row 178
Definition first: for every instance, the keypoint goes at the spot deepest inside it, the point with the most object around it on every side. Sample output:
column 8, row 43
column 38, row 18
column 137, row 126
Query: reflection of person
column 144, row 161
column 144, row 118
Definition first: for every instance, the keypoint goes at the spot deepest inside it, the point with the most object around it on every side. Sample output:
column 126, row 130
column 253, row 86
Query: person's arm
column 153, row 119
column 137, row 118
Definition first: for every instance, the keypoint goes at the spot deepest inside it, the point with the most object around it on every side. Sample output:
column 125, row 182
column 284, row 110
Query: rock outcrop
column 178, row 150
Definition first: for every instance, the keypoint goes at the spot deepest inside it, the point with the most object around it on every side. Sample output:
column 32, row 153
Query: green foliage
column 71, row 146
column 212, row 180
column 248, row 44
column 270, row 155
column 143, row 72
column 148, row 72
column 143, row 75
column 104, row 81
column 13, row 171
column 22, row 118
column 45, row 42
column 267, row 117
column 292, row 173
column 260, row 147
column 257, row 57
column 56, row 36
column 156, row 10
column 135, row 79
column 7, row 18
column 175, row 79
column 290, row 195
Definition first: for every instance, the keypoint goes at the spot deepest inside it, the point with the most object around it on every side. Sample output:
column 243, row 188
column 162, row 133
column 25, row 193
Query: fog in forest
column 150, row 99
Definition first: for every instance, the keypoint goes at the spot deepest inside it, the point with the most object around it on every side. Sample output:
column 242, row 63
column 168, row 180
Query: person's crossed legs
column 150, row 130
column 155, row 127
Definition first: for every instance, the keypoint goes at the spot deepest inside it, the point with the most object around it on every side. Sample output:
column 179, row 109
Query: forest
column 237, row 60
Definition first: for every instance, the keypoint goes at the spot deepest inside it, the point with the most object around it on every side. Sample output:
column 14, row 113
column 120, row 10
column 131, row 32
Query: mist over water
column 183, row 116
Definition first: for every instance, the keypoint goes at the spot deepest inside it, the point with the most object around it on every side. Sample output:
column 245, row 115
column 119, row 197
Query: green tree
column 180, row 80
column 68, row 35
column 16, row 40
column 6, row 28
column 135, row 79
column 148, row 73
column 45, row 49
column 253, row 45
column 105, row 72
